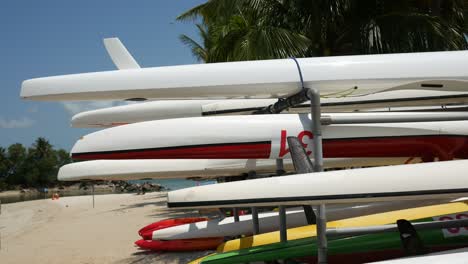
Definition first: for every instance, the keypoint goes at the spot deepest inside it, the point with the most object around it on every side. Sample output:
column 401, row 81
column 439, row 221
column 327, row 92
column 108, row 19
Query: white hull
column 442, row 71
column 264, row 137
column 181, row 169
column 156, row 110
column 426, row 181
column 269, row 222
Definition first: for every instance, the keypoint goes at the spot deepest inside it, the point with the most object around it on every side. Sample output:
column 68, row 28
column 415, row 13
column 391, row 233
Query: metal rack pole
column 283, row 226
column 314, row 96
column 280, row 167
column 255, row 224
column 282, row 209
column 235, row 212
column 256, row 227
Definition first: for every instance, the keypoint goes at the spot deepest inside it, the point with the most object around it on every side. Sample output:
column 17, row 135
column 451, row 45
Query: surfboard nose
column 33, row 89
column 27, row 88
column 77, row 148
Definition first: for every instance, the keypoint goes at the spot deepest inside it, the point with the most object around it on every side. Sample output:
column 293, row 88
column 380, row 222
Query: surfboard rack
column 301, row 161
column 303, row 164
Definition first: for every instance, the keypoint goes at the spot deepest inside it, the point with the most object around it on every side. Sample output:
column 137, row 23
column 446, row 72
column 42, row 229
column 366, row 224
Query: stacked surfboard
column 204, row 127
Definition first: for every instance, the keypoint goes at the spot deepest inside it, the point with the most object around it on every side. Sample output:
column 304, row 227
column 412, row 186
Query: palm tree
column 3, row 163
column 407, row 26
column 199, row 51
column 235, row 31
column 43, row 163
column 254, row 29
column 42, row 148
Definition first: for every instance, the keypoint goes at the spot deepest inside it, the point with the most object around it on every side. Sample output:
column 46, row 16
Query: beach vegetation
column 35, row 166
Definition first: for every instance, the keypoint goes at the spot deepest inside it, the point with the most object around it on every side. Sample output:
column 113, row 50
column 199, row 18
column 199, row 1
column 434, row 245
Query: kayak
column 146, row 231
column 360, row 221
column 157, row 110
column 332, row 76
column 180, row 245
column 269, row 221
column 423, row 181
column 355, row 249
column 136, row 169
column 265, row 137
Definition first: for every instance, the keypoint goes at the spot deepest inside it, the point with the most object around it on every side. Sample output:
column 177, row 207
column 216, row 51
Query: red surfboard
column 147, row 231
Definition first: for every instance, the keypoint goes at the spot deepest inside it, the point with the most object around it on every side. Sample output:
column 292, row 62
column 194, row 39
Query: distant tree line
column 36, row 166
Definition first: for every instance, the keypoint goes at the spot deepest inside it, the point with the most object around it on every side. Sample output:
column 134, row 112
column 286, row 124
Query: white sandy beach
column 71, row 231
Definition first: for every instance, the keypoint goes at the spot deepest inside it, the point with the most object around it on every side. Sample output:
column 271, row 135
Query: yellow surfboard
column 369, row 220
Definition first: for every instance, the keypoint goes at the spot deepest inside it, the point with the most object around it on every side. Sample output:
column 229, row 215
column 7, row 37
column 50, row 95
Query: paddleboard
column 355, row 249
column 361, row 221
column 269, row 221
column 332, row 76
column 265, row 137
column 156, row 110
column 123, row 170
column 434, row 180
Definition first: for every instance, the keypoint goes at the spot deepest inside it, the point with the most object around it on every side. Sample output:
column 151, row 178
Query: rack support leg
column 283, row 227
column 314, row 96
column 235, row 212
column 256, row 227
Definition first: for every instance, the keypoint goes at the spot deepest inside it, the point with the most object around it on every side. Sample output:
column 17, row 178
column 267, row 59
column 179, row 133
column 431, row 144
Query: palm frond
column 197, row 50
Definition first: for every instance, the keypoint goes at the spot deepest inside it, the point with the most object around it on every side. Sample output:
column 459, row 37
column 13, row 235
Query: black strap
column 410, row 240
column 300, row 72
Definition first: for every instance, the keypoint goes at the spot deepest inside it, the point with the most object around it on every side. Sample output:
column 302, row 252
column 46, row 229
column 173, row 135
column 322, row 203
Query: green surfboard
column 356, row 249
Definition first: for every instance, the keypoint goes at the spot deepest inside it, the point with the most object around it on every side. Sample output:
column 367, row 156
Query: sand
column 70, row 230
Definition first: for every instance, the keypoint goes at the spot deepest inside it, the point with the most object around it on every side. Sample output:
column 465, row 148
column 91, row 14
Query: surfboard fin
column 301, row 162
column 412, row 243
column 122, row 59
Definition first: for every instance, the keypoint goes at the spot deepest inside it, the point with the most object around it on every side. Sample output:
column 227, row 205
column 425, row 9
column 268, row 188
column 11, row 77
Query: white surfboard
column 123, row 170
column 425, row 181
column 269, row 222
column 156, row 110
column 454, row 256
column 332, row 76
column 265, row 137
column 146, row 111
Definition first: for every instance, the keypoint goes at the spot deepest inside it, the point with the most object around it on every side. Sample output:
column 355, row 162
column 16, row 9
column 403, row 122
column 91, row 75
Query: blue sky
column 53, row 37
